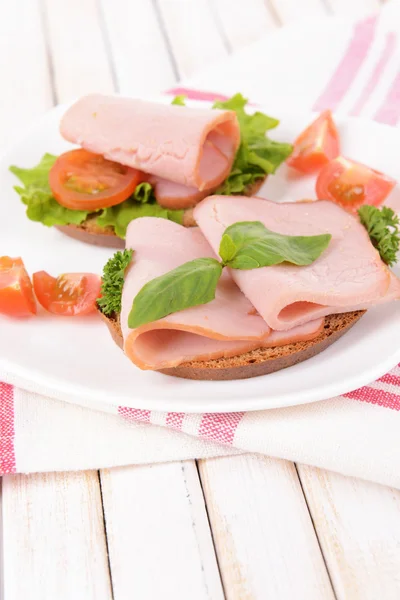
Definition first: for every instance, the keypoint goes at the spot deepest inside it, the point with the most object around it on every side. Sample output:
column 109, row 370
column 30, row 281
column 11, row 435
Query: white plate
column 75, row 359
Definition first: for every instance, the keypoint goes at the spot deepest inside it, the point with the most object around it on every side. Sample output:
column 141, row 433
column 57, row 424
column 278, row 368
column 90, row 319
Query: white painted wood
column 243, row 22
column 194, row 34
column 78, row 51
column 158, row 535
column 289, row 11
column 53, row 538
column 358, row 8
column 25, row 83
column 263, row 534
column 139, row 51
column 358, row 525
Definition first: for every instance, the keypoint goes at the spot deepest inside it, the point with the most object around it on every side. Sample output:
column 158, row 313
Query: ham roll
column 193, row 147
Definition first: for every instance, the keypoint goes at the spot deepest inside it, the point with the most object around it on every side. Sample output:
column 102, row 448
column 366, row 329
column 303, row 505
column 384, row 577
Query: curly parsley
column 113, row 281
column 382, row 227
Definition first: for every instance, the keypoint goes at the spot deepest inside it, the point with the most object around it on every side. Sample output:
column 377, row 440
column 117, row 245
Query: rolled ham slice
column 175, row 195
column 349, row 275
column 227, row 326
column 193, row 147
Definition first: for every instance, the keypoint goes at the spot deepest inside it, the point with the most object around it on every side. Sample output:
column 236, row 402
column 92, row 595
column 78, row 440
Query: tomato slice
column 16, row 293
column 81, row 180
column 352, row 184
column 69, row 294
column 316, row 145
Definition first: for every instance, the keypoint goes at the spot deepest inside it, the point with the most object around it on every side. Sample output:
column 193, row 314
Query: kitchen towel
column 353, row 68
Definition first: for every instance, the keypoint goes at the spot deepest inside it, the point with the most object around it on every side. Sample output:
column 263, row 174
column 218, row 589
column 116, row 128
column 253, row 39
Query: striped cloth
column 354, row 69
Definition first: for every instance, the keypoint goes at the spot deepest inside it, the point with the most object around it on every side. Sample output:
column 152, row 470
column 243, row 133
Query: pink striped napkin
column 357, row 71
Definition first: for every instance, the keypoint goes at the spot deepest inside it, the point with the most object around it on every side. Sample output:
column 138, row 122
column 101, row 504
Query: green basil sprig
column 250, row 245
column 245, row 245
column 191, row 284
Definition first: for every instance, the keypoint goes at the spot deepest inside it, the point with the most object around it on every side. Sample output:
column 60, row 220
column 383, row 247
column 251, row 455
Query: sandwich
column 137, row 159
column 258, row 286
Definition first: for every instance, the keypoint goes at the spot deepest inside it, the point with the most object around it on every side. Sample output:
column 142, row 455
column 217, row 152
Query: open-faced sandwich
column 256, row 287
column 140, row 158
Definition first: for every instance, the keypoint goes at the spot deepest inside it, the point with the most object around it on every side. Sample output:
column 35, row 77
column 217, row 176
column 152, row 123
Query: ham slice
column 193, row 147
column 349, row 275
column 175, row 195
column 227, row 326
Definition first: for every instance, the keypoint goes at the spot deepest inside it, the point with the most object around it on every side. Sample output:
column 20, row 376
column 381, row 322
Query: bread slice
column 256, row 362
column 91, row 233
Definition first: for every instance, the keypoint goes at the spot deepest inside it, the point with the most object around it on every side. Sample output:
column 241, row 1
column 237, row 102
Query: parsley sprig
column 113, row 281
column 382, row 227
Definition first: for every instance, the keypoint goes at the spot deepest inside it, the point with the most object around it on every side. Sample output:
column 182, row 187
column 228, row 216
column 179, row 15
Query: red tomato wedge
column 81, row 180
column 352, row 184
column 316, row 145
column 16, row 293
column 69, row 295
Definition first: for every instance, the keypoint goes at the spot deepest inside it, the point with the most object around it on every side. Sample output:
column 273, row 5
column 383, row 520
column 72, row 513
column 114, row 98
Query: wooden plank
column 140, row 54
column 263, row 534
column 244, row 24
column 25, row 84
column 53, row 535
column 289, row 11
column 158, row 535
column 195, row 37
column 358, row 8
column 358, row 525
column 78, row 51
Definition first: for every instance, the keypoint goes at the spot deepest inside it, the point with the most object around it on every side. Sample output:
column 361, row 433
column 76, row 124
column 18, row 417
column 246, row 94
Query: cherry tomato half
column 81, row 180
column 316, row 145
column 16, row 293
column 69, row 294
column 352, row 184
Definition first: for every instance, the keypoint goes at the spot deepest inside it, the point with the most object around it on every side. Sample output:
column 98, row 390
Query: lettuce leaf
column 43, row 208
column 121, row 215
column 257, row 155
column 144, row 193
column 37, row 197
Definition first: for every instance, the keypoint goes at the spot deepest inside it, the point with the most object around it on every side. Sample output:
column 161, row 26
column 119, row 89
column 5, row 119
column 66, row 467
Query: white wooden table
column 242, row 527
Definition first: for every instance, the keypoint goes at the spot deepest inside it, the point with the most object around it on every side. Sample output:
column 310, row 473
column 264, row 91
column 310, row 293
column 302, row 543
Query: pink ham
column 349, row 275
column 227, row 326
column 175, row 195
column 194, row 147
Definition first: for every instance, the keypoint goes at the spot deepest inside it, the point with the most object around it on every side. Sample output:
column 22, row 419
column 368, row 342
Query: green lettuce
column 42, row 207
column 121, row 215
column 38, row 199
column 257, row 155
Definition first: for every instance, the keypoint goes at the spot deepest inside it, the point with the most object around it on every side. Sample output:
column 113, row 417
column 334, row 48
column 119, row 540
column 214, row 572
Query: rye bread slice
column 256, row 362
column 91, row 233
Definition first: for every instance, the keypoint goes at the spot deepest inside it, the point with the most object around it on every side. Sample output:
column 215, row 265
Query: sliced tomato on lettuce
column 16, row 292
column 352, row 184
column 81, row 180
column 316, row 145
column 70, row 294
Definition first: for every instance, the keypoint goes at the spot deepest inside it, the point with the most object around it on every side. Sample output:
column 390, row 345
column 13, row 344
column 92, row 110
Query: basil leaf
column 257, row 246
column 191, row 284
column 227, row 249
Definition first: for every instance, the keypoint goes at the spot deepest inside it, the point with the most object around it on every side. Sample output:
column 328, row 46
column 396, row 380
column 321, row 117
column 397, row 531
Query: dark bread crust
column 90, row 233
column 256, row 362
